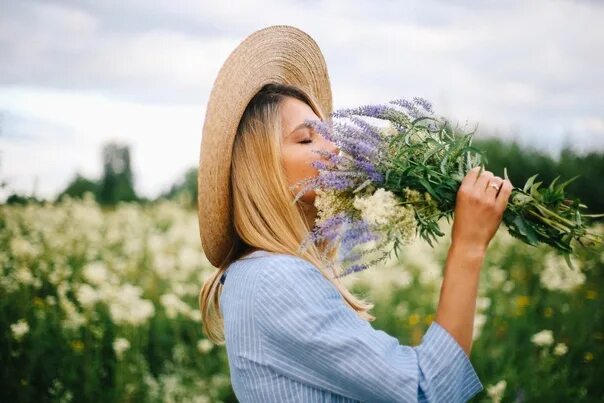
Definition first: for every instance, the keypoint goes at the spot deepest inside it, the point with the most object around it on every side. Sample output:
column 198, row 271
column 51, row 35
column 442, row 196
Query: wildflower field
column 101, row 305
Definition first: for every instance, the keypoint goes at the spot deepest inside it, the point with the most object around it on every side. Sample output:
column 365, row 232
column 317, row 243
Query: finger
column 493, row 185
column 504, row 194
column 470, row 178
column 483, row 181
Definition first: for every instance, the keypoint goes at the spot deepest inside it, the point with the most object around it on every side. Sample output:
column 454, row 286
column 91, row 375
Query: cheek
column 298, row 166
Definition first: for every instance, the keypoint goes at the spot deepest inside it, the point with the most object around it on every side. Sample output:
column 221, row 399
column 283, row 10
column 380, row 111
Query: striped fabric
column 291, row 338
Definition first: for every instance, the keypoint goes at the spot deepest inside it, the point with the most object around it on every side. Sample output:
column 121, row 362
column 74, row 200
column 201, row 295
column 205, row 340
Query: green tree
column 78, row 186
column 117, row 183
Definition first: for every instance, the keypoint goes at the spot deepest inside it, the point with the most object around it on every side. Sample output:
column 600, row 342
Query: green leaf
column 562, row 186
column 427, row 185
column 568, row 261
column 526, row 230
column 529, row 183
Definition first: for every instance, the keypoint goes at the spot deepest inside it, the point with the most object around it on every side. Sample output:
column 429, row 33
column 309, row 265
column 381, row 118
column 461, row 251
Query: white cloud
column 164, row 140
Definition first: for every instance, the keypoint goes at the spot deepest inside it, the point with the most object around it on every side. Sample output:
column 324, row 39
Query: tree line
column 116, row 183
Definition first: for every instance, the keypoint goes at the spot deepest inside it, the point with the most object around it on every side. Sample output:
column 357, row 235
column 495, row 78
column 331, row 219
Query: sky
column 76, row 74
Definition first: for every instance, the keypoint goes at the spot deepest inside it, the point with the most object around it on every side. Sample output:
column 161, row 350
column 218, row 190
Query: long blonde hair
column 263, row 213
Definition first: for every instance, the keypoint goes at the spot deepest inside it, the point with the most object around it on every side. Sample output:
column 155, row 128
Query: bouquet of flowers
column 398, row 172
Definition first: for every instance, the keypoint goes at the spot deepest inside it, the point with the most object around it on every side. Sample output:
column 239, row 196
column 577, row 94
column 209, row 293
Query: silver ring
column 494, row 185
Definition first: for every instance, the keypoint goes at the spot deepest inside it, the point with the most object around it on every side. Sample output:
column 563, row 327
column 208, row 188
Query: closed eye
column 306, row 141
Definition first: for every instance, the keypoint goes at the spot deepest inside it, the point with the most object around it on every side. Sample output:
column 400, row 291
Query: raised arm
column 478, row 212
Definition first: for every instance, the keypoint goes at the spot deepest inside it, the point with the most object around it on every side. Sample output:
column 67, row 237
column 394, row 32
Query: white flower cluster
column 120, row 345
column 382, row 210
column 19, row 329
column 497, row 391
column 328, row 204
column 114, row 244
column 127, row 307
column 557, row 276
column 545, row 338
column 125, row 303
column 482, row 304
column 204, row 345
column 389, row 130
column 174, row 306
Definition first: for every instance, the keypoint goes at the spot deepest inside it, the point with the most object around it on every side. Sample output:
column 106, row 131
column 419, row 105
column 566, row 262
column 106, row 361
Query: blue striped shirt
column 290, row 337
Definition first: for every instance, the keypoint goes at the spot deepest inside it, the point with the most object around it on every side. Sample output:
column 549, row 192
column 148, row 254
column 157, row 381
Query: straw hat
column 276, row 54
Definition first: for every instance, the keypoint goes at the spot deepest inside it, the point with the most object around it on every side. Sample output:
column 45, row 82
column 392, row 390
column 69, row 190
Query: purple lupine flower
column 329, row 228
column 337, row 180
column 358, row 131
column 374, row 110
column 352, row 269
column 320, row 165
column 307, row 184
column 358, row 232
column 424, row 103
column 324, row 128
column 368, row 129
column 413, row 111
column 371, row 171
column 359, row 149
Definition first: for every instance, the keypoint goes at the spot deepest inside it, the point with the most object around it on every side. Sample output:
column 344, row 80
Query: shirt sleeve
column 311, row 335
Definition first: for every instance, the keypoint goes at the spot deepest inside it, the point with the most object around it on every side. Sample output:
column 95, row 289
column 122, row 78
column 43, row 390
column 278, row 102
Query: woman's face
column 298, row 141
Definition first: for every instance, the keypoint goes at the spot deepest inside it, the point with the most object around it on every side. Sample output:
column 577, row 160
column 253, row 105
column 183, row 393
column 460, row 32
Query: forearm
column 457, row 303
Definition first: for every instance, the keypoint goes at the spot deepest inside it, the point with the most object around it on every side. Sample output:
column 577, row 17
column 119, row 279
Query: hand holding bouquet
column 390, row 183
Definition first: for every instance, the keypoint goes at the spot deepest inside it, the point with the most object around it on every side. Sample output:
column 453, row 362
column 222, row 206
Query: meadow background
column 101, row 111
column 99, row 298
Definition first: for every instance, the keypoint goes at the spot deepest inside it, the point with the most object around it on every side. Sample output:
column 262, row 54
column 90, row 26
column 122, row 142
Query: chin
column 309, row 197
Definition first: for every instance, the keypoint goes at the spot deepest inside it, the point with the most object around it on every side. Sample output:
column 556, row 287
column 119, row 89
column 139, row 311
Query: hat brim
column 276, row 54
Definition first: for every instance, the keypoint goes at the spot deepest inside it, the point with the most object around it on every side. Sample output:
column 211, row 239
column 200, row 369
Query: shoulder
column 275, row 276
column 274, row 265
column 289, row 271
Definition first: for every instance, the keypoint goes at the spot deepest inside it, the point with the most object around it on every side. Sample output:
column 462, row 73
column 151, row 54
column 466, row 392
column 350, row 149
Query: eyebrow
column 300, row 126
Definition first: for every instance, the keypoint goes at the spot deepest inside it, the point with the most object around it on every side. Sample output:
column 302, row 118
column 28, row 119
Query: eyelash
column 306, row 141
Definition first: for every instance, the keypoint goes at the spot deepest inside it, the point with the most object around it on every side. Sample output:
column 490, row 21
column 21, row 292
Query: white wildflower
column 560, row 349
column 496, row 391
column 479, row 321
column 127, row 307
column 23, row 276
column 508, row 286
column 19, row 329
column 22, row 248
column 558, row 276
column 329, row 202
column 383, row 209
column 389, row 130
column 543, row 338
column 96, row 273
column 497, row 276
column 204, row 345
column 378, row 208
column 87, row 296
column 483, row 303
column 195, row 315
column 174, row 305
column 120, row 345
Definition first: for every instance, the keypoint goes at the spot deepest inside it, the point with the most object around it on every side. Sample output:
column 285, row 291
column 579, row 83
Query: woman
column 293, row 332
